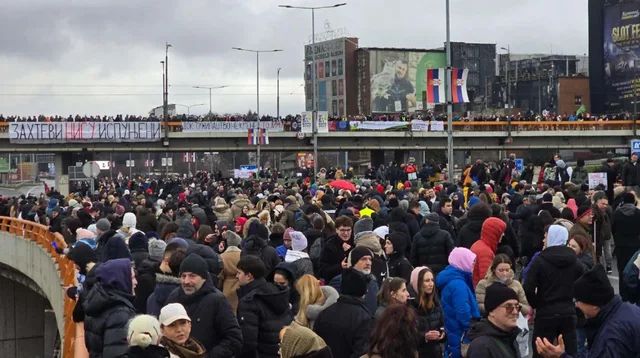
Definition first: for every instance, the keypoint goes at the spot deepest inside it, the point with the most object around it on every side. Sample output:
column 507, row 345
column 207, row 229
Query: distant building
column 335, row 75
column 480, row 59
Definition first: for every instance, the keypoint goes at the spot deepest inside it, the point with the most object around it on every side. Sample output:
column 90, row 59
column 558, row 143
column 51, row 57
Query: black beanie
column 628, row 198
column 195, row 264
column 359, row 252
column 593, row 287
column 354, row 283
column 497, row 294
column 82, row 254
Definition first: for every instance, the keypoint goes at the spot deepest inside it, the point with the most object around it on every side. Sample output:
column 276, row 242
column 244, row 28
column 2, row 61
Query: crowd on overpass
column 399, row 264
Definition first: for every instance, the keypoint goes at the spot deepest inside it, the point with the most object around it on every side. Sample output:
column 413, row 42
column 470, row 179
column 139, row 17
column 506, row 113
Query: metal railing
column 41, row 235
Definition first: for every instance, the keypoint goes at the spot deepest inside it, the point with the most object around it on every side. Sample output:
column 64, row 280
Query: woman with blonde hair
column 313, row 299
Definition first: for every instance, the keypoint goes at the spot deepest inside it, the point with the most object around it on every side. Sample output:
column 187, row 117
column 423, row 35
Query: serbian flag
column 435, row 85
column 257, row 136
column 459, row 85
column 251, row 137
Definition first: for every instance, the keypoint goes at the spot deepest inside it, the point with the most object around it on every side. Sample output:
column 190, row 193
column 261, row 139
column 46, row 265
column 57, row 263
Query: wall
column 568, row 89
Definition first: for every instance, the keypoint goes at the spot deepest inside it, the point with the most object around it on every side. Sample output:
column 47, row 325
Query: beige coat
column 227, row 277
column 490, row 279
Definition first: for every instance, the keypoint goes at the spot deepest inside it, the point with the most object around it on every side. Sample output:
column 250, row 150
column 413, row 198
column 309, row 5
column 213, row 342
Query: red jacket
column 485, row 248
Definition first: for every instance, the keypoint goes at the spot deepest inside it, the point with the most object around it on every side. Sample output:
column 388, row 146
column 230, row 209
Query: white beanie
column 298, row 241
column 129, row 220
column 143, row 331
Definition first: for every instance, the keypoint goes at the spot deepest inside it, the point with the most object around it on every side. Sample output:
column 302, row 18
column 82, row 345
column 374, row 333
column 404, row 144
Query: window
column 333, row 68
column 339, row 66
column 321, row 69
column 340, row 87
column 327, row 68
column 334, row 88
column 334, row 108
column 341, row 107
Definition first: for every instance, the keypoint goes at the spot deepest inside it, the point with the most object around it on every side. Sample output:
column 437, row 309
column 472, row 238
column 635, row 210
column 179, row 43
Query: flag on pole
column 257, row 136
column 459, row 85
column 435, row 85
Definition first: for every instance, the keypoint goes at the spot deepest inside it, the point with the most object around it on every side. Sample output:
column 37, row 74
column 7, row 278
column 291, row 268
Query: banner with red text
column 83, row 132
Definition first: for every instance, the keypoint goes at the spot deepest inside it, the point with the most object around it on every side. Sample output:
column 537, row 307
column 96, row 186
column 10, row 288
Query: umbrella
column 343, row 184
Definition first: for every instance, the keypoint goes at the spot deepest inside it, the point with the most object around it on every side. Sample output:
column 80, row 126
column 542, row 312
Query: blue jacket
column 619, row 333
column 370, row 298
column 458, row 304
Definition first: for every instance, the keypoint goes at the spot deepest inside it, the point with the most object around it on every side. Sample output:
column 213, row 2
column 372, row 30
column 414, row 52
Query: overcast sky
column 103, row 57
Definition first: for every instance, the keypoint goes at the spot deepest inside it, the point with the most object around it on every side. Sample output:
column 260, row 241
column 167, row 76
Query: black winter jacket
column 331, row 258
column 107, row 313
column 469, row 233
column 488, row 341
column 345, row 327
column 263, row 309
column 399, row 266
column 148, row 352
column 256, row 246
column 626, row 231
column 631, row 174
column 431, row 247
column 111, row 246
column 165, row 285
column 212, row 321
column 549, row 282
column 146, row 277
column 432, row 320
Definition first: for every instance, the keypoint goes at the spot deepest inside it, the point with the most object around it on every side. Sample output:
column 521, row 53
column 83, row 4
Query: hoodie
column 263, row 310
column 549, row 282
column 485, row 248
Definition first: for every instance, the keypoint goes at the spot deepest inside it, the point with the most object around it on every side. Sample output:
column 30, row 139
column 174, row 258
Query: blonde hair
column 310, row 293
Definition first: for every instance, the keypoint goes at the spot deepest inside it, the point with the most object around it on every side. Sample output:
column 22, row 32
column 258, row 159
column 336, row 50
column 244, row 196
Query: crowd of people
column 491, row 266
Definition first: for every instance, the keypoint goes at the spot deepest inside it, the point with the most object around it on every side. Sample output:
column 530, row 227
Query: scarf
column 191, row 348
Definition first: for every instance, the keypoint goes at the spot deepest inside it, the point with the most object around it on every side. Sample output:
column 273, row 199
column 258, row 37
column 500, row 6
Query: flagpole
column 447, row 89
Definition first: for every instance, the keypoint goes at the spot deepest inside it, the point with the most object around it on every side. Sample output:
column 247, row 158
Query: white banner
column 83, row 132
column 419, row 126
column 307, row 122
column 231, row 126
column 376, row 125
column 596, row 179
column 437, row 126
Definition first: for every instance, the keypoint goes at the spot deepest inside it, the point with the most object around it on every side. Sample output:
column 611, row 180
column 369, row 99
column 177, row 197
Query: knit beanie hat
column 354, row 283
column 582, row 211
column 232, row 238
column 156, row 249
column 195, row 264
column 139, row 241
column 432, row 218
column 357, row 253
column 103, row 225
column 182, row 243
column 364, row 224
column 82, row 254
column 557, row 236
column 497, row 294
column 300, row 341
column 298, row 241
column 593, row 287
column 462, row 259
column 143, row 331
column 129, row 220
column 413, row 280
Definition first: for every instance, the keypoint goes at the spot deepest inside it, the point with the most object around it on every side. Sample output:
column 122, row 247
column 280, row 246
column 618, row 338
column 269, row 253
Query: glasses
column 511, row 307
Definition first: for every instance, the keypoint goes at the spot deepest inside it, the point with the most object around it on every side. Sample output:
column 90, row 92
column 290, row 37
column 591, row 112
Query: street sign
column 131, row 163
column 635, row 145
column 148, row 163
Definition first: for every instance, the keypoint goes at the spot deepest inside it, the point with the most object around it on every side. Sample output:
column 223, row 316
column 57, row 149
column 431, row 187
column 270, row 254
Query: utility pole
column 278, row 94
column 447, row 90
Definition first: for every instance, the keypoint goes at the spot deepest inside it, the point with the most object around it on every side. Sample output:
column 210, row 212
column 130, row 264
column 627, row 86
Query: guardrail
column 41, row 235
column 515, row 126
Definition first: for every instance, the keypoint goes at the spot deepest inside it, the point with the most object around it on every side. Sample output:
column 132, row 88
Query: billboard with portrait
column 398, row 78
column 621, row 25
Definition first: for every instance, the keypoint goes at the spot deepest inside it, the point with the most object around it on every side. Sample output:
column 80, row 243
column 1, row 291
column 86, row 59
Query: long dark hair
column 426, row 302
column 394, row 334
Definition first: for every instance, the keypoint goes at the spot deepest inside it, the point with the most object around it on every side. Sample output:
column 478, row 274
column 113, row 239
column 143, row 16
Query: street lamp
column 188, row 107
column 209, row 88
column 507, row 65
column 257, row 52
column 447, row 91
column 278, row 93
column 165, row 105
column 314, row 116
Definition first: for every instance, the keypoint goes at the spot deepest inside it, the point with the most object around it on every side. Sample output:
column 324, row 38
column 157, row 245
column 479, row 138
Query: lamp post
column 278, row 93
column 447, row 90
column 507, row 65
column 209, row 88
column 314, row 108
column 165, row 105
column 257, row 52
column 188, row 107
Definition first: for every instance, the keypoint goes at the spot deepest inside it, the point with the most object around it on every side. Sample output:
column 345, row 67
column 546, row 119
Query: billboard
column 398, row 78
column 621, row 26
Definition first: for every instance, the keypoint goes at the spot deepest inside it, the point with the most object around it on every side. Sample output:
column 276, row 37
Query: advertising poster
column 622, row 52
column 304, row 160
column 398, row 78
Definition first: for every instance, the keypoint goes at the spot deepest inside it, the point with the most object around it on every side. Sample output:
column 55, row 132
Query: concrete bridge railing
column 28, row 247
